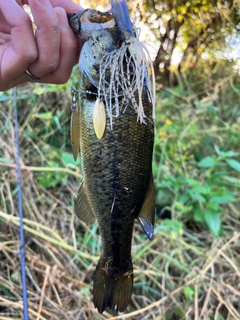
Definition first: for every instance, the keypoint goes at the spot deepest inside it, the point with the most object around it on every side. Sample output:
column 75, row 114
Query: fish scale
column 117, row 187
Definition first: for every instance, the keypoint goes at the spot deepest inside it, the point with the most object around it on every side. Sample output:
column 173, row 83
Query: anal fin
column 146, row 215
column 82, row 207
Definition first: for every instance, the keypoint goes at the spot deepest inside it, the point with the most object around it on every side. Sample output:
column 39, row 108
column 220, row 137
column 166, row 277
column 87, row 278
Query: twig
column 43, row 290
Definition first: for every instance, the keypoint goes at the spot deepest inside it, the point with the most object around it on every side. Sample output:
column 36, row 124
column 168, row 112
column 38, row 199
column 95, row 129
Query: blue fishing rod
column 20, row 209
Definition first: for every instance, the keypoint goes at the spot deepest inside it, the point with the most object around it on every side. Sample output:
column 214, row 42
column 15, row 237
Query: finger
column 21, row 51
column 69, row 51
column 68, row 5
column 47, row 37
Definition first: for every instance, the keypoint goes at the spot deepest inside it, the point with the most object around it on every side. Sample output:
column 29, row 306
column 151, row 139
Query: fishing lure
column 75, row 124
column 99, row 118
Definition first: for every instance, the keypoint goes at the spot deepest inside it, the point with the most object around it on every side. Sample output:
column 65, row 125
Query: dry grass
column 189, row 275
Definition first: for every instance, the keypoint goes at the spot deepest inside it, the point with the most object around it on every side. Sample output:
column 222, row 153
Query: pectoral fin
column 75, row 133
column 146, row 215
column 82, row 206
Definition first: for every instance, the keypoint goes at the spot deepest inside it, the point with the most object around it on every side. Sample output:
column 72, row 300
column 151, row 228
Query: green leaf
column 227, row 154
column 51, row 179
column 214, row 207
column 68, row 159
column 234, row 164
column 205, row 189
column 29, row 133
column 207, row 162
column 196, row 196
column 175, row 227
column 183, row 198
column 198, row 216
column 232, row 180
column 222, row 199
column 192, row 182
column 217, row 150
column 56, row 119
column 44, row 115
column 84, row 291
column 5, row 160
column 230, row 154
column 212, row 219
column 4, row 97
column 189, row 292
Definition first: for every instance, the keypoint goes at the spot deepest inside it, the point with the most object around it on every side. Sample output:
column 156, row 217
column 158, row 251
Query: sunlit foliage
column 197, row 30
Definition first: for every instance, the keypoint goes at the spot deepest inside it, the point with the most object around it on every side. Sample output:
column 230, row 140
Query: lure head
column 122, row 18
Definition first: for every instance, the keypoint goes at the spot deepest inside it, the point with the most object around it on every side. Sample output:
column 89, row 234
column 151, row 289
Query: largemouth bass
column 115, row 134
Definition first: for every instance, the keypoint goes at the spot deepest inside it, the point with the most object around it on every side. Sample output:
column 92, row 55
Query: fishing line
column 20, row 210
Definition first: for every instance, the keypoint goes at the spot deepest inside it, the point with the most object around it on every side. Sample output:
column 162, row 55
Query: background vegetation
column 190, row 270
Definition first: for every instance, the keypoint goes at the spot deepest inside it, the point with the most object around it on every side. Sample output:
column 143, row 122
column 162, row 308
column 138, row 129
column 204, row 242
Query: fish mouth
column 84, row 22
column 88, row 20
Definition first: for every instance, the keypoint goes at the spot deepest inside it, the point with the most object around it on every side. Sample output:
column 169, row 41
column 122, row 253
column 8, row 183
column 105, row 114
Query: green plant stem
column 43, row 169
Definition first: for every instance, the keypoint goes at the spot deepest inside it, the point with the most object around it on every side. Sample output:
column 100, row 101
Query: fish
column 116, row 136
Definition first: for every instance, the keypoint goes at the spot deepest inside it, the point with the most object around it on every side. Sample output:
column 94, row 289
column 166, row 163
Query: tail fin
column 112, row 287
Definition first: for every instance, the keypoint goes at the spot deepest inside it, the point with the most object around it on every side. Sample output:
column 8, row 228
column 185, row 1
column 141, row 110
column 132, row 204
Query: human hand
column 50, row 52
